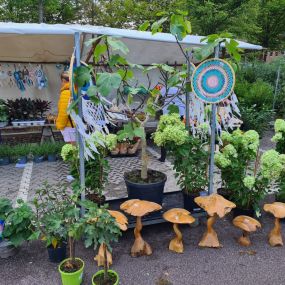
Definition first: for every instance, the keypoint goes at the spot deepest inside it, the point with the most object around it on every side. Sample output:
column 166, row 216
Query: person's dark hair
column 65, row 75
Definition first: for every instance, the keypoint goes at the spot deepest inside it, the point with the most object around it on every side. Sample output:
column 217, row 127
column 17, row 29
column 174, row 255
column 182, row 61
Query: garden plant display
column 246, row 175
column 3, row 113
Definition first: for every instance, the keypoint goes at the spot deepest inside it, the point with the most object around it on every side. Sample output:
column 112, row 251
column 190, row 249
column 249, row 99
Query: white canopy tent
column 54, row 43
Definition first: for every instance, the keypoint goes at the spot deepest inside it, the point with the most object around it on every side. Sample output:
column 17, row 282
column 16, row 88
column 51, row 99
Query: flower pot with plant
column 38, row 151
column 71, row 269
column 190, row 159
column 3, row 114
column 247, row 174
column 49, row 203
column 21, row 152
column 5, row 209
column 102, row 229
column 5, row 154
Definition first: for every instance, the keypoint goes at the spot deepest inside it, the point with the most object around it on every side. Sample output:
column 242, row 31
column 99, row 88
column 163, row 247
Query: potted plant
column 52, row 150
column 190, row 159
column 5, row 154
column 38, row 151
column 5, row 209
column 101, row 229
column 71, row 269
column 21, row 152
column 49, row 219
column 246, row 175
column 3, row 114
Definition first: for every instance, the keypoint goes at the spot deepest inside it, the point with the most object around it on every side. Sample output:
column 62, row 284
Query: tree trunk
column 105, row 263
column 144, row 156
column 41, row 11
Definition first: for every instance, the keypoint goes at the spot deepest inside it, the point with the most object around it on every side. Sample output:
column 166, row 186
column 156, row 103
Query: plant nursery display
column 6, row 153
column 177, row 216
column 246, row 175
column 21, row 152
column 50, row 202
column 139, row 208
column 277, row 209
column 5, row 209
column 102, row 228
column 189, row 154
column 216, row 206
column 247, row 225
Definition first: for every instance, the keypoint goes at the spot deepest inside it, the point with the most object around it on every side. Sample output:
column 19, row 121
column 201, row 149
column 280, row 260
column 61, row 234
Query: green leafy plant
column 38, row 150
column 21, row 150
column 50, row 203
column 5, row 208
column 52, row 148
column 3, row 111
column 5, row 150
column 101, row 229
column 246, row 175
column 18, row 224
column 190, row 159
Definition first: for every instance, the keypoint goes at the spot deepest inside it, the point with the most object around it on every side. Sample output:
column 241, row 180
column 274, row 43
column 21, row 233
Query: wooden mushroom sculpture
column 122, row 222
column 139, row 208
column 177, row 216
column 277, row 209
column 247, row 225
column 216, row 206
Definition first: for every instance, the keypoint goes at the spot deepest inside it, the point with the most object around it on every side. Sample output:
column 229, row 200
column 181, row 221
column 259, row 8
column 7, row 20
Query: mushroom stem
column 140, row 247
column 100, row 258
column 275, row 238
column 176, row 243
column 210, row 237
column 244, row 239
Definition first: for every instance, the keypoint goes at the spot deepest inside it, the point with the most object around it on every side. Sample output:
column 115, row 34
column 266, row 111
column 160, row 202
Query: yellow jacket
column 62, row 120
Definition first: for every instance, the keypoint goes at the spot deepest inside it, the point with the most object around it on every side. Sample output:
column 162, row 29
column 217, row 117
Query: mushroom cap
column 277, row 209
column 178, row 216
column 246, row 223
column 215, row 204
column 121, row 219
column 139, row 208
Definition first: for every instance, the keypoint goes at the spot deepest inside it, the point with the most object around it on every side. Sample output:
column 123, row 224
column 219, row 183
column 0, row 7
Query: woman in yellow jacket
column 63, row 120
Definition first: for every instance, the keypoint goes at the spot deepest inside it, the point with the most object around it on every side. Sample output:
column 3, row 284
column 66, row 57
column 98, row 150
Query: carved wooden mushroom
column 178, row 216
column 277, row 209
column 122, row 222
column 247, row 225
column 216, row 206
column 139, row 208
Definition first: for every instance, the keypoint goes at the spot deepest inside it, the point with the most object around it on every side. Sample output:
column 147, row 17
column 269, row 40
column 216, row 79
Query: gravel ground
column 232, row 265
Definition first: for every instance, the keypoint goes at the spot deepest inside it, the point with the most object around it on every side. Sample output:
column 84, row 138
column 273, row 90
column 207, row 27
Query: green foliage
column 129, row 131
column 5, row 150
column 5, row 208
column 245, row 178
column 3, row 111
column 50, row 203
column 255, row 119
column 52, row 147
column 21, row 150
column 107, row 82
column 18, row 224
column 279, row 137
column 38, row 150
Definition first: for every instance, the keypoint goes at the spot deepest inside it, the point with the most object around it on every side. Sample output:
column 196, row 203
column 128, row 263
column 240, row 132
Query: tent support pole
column 213, row 139
column 187, row 112
column 80, row 140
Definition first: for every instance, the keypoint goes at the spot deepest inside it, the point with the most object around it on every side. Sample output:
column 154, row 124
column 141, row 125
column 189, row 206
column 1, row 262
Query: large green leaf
column 117, row 45
column 156, row 26
column 106, row 82
column 99, row 50
column 144, row 26
column 82, row 75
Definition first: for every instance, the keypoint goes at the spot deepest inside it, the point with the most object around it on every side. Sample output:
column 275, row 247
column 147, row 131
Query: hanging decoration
column 213, row 81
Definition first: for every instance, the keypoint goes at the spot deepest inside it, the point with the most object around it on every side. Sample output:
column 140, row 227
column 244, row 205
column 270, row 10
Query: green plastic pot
column 102, row 272
column 74, row 278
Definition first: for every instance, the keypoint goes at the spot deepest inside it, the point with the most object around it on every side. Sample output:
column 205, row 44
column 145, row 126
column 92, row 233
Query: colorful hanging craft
column 213, row 81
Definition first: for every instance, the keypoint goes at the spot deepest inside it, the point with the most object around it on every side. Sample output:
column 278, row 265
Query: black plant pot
column 152, row 192
column 4, row 161
column 189, row 203
column 52, row 157
column 57, row 254
column 38, row 159
column 244, row 212
column 22, row 160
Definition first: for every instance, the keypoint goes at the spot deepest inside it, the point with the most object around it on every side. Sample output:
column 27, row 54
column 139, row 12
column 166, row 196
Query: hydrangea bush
column 190, row 159
column 246, row 175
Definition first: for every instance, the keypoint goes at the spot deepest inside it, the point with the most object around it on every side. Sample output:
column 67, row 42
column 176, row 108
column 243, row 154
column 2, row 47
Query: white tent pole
column 213, row 139
column 80, row 140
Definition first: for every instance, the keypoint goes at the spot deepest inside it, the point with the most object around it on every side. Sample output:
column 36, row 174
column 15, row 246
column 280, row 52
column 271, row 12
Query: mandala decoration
column 213, row 81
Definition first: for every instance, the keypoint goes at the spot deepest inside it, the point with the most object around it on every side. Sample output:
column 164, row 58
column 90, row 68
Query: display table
column 45, row 130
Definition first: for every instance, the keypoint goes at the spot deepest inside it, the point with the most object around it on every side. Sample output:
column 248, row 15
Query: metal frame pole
column 80, row 140
column 213, row 139
column 187, row 112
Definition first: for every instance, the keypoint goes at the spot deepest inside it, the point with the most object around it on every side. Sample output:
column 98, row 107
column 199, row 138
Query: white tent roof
column 54, row 43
